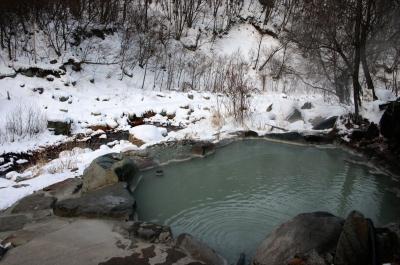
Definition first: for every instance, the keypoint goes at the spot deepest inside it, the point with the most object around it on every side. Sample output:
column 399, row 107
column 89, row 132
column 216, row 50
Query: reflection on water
column 234, row 198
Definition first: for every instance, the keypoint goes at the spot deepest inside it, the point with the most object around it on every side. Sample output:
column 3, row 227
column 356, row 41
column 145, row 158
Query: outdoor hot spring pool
column 232, row 199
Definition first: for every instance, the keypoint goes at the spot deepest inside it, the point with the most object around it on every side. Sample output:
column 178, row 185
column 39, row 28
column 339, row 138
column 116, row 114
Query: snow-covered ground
column 195, row 112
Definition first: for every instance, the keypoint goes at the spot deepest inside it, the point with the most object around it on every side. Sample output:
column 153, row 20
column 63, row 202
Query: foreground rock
column 354, row 246
column 198, row 250
column 150, row 232
column 107, row 170
column 306, row 233
column 113, row 201
column 154, row 254
column 388, row 243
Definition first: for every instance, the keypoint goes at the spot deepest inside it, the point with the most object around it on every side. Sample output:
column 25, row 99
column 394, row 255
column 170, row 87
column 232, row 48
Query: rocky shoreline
column 92, row 220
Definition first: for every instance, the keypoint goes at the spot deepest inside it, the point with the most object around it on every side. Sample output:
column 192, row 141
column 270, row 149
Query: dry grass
column 67, row 161
column 217, row 119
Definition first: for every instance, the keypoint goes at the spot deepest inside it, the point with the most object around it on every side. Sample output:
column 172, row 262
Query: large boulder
column 113, row 201
column 107, row 170
column 305, row 233
column 324, row 124
column 307, row 105
column 353, row 247
column 59, row 127
column 294, row 116
column 198, row 250
column 390, row 122
column 388, row 243
column 369, row 133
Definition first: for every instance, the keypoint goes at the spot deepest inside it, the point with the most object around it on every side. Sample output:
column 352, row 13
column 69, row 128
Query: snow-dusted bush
column 24, row 120
column 237, row 88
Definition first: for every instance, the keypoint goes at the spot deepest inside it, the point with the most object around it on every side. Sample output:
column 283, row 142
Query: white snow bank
column 148, row 133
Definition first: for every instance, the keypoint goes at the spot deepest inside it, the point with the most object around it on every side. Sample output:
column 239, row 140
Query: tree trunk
column 356, row 62
column 364, row 33
column 144, row 77
column 367, row 74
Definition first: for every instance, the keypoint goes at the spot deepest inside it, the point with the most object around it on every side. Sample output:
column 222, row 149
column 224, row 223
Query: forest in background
column 344, row 48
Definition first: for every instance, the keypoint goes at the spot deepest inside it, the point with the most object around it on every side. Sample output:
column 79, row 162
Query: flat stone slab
column 113, row 201
column 155, row 254
column 88, row 242
column 35, row 202
column 12, row 222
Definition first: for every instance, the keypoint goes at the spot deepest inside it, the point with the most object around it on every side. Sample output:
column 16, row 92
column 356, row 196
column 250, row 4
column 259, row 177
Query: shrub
column 237, row 88
column 24, row 120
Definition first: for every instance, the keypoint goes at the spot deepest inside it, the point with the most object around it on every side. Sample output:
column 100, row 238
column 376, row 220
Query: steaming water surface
column 232, row 199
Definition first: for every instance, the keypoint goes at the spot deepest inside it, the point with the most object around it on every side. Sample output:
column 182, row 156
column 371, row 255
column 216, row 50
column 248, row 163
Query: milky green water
column 232, row 199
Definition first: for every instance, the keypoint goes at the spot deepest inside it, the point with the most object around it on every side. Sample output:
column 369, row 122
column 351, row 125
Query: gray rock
column 307, row 105
column 388, row 243
column 107, row 170
column 40, row 90
column 113, row 201
column 59, row 127
column 315, row 259
column 198, row 250
column 150, row 232
column 35, row 202
column 310, row 258
column 295, row 116
column 250, row 133
column 203, row 148
column 12, row 222
column 353, row 246
column 65, row 189
column 63, row 98
column 57, row 241
column 324, row 124
column 317, row 231
column 269, row 109
column 241, row 260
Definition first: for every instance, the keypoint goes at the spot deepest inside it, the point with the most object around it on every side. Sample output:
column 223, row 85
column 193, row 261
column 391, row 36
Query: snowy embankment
column 195, row 113
column 95, row 98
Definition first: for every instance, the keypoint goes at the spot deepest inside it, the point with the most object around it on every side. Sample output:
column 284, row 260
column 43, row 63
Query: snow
column 148, row 133
column 244, row 38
